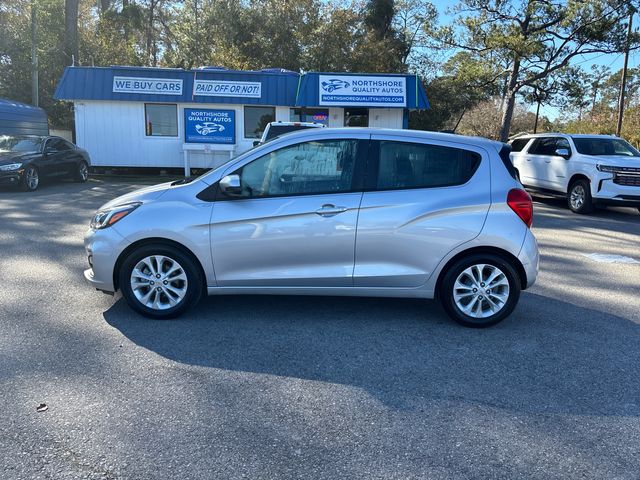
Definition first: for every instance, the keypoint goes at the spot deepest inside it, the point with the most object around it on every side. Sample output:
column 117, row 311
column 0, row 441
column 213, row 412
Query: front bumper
column 605, row 191
column 10, row 178
column 103, row 248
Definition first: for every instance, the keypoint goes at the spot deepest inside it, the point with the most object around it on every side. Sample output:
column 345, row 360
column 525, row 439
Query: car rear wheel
column 160, row 281
column 82, row 172
column 480, row 290
column 579, row 197
column 30, row 179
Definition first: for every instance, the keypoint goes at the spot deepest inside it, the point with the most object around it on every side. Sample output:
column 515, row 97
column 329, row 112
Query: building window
column 356, row 117
column 160, row 120
column 256, row 120
column 315, row 115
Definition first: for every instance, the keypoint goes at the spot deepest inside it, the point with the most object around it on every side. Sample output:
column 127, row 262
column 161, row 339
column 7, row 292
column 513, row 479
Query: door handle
column 547, row 161
column 329, row 210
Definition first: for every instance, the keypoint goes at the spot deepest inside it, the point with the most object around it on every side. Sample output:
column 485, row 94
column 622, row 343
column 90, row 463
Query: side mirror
column 563, row 152
column 256, row 143
column 230, row 185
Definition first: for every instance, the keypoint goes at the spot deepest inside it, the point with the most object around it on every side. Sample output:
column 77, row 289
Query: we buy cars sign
column 205, row 125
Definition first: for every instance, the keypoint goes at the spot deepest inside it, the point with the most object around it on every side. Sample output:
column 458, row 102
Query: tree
column 538, row 37
column 71, row 30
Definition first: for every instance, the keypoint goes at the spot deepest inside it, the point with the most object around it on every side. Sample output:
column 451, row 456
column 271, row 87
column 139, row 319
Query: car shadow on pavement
column 549, row 357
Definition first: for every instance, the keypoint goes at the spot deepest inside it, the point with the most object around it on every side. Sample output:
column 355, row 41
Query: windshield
column 605, row 146
column 277, row 130
column 10, row 143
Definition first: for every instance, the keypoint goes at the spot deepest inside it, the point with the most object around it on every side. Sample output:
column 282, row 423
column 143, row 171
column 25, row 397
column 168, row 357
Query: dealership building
column 159, row 117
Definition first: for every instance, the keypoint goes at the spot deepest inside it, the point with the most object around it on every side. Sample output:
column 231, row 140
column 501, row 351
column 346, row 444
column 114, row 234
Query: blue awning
column 361, row 90
column 263, row 87
column 21, row 119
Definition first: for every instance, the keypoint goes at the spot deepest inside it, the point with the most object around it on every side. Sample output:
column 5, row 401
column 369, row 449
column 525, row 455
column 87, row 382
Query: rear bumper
column 530, row 258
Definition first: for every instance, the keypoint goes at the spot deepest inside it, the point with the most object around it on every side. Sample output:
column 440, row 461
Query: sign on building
column 217, row 88
column 204, row 125
column 370, row 91
column 150, row 86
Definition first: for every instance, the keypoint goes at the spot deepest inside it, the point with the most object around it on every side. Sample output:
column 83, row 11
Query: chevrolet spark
column 358, row 212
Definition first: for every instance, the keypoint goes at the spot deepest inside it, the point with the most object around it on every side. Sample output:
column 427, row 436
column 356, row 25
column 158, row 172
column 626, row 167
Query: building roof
column 107, row 83
column 272, row 86
column 21, row 119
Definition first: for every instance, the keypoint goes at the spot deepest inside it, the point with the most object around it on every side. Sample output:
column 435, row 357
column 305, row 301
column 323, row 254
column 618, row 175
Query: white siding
column 385, row 117
column 114, row 135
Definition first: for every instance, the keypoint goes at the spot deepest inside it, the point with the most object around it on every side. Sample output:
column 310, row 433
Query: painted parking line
column 609, row 258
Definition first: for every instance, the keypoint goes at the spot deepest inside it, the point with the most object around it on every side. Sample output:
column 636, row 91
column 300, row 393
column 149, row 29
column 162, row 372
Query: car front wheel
column 160, row 281
column 82, row 172
column 480, row 290
column 579, row 197
column 30, row 179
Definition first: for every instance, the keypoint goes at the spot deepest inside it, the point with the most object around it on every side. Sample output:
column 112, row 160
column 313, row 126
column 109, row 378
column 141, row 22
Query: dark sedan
column 26, row 159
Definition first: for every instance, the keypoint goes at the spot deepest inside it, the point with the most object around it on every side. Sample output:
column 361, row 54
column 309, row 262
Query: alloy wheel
column 32, row 178
column 481, row 290
column 159, row 282
column 83, row 171
column 577, row 197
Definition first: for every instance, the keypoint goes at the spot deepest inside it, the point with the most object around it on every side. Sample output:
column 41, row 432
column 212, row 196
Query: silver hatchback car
column 361, row 212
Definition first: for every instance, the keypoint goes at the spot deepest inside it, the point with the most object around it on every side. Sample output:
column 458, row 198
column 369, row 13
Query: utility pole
column 623, row 84
column 34, row 55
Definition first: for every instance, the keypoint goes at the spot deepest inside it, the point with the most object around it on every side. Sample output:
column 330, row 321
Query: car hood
column 14, row 157
column 617, row 160
column 142, row 195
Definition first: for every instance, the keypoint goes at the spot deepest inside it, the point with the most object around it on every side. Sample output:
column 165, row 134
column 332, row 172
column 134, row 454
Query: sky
column 613, row 61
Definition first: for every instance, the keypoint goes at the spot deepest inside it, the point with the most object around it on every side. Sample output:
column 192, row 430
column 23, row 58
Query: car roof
column 560, row 134
column 409, row 134
column 297, row 124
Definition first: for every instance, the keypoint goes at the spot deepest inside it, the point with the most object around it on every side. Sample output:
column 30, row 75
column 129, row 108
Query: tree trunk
column 507, row 115
column 535, row 124
column 105, row 5
column 71, row 30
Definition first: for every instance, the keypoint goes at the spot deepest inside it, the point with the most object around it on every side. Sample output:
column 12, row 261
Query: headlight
column 11, row 166
column 106, row 218
column 606, row 168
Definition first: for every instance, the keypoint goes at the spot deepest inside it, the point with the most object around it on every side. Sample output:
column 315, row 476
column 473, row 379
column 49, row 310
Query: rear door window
column 518, row 144
column 548, row 145
column 417, row 165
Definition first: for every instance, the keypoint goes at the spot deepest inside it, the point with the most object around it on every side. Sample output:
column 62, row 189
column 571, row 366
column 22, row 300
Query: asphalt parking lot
column 328, row 388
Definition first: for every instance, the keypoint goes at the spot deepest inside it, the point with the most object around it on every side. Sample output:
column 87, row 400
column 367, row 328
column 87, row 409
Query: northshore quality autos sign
column 370, row 91
column 205, row 125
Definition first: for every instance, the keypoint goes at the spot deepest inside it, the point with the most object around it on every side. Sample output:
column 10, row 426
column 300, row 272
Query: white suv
column 591, row 170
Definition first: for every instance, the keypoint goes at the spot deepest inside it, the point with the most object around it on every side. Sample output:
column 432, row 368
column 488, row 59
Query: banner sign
column 369, row 91
column 203, row 125
column 149, row 86
column 217, row 88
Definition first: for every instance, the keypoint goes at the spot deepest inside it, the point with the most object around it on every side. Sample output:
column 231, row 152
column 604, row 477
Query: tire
column 82, row 172
column 456, row 290
column 150, row 297
column 30, row 179
column 579, row 197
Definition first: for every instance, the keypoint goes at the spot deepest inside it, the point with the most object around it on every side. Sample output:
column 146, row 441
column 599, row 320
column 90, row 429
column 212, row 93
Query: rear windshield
column 604, row 146
column 277, row 130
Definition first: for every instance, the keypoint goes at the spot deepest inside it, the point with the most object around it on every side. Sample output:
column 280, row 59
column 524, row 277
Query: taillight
column 520, row 202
